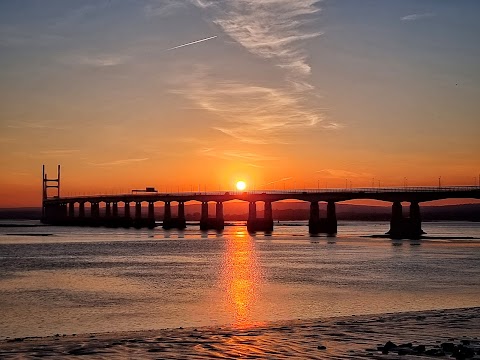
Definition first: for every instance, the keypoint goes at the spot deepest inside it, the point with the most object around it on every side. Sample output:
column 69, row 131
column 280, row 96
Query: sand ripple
column 352, row 337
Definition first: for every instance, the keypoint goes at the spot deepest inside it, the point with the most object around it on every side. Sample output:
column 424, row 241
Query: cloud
column 119, row 162
column 250, row 113
column 277, row 181
column 236, row 155
column 59, row 152
column 162, row 8
column 271, row 29
column 96, row 60
column 343, row 174
column 36, row 125
column 414, row 17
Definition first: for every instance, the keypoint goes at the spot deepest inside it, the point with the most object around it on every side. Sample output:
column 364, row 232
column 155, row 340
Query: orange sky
column 314, row 94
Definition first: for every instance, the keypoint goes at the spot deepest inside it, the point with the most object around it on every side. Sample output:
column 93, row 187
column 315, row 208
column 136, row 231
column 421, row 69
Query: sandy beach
column 439, row 333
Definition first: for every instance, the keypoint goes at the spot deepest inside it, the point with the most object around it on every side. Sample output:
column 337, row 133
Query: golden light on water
column 242, row 278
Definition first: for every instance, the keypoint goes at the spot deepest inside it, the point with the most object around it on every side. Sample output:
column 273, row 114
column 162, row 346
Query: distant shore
column 432, row 333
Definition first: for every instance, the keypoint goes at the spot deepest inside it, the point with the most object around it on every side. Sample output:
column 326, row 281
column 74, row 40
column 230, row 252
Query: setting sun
column 241, row 185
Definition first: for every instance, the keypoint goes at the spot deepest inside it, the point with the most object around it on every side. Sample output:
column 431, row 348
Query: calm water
column 94, row 280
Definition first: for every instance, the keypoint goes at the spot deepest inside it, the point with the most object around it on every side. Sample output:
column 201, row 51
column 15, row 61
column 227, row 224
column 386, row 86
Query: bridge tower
column 50, row 212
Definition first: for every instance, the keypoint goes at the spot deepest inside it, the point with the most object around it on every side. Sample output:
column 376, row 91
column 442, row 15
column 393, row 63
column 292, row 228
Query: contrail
column 191, row 43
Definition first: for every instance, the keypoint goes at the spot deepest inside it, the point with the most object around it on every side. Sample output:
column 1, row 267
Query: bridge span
column 70, row 210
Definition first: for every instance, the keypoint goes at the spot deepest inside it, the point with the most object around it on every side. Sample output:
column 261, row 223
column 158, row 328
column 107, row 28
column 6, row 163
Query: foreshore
column 440, row 333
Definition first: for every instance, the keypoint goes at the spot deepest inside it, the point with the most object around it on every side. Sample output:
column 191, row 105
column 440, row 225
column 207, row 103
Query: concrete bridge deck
column 61, row 210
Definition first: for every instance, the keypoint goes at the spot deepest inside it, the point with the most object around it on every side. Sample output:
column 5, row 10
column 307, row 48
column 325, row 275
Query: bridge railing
column 366, row 190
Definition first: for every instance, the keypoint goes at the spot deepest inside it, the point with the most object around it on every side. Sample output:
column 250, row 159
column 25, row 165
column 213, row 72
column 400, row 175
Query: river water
column 79, row 280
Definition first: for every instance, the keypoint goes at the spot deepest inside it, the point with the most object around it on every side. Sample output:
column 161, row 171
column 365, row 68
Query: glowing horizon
column 283, row 95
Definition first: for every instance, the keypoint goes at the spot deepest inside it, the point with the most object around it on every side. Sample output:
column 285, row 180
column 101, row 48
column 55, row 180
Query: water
column 81, row 280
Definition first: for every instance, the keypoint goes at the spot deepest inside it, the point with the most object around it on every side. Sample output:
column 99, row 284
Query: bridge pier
column 268, row 216
column 406, row 228
column 216, row 223
column 170, row 222
column 396, row 221
column 415, row 220
column 95, row 210
column 167, row 215
column 314, row 219
column 81, row 210
column 260, row 224
column 115, row 209
column 151, row 211
column 55, row 214
column 95, row 214
column 71, row 210
column 331, row 225
column 181, row 220
column 138, row 210
column 126, row 214
column 252, row 217
column 317, row 225
column 219, row 220
column 108, row 210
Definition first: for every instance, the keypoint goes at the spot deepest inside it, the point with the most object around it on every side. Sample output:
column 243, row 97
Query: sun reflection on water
column 242, row 278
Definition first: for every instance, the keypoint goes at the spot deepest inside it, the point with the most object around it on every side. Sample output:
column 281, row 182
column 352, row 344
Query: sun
column 241, row 185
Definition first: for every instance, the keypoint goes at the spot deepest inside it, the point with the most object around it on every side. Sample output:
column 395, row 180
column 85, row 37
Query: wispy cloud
column 236, row 155
column 277, row 181
column 192, row 43
column 38, row 125
column 272, row 29
column 162, row 8
column 342, row 174
column 414, row 17
column 119, row 162
column 96, row 60
column 250, row 113
column 59, row 152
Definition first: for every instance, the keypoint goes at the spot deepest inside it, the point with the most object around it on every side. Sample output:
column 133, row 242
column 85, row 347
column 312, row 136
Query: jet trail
column 191, row 43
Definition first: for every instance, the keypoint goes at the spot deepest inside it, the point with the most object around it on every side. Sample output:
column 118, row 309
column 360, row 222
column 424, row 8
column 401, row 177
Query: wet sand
column 350, row 337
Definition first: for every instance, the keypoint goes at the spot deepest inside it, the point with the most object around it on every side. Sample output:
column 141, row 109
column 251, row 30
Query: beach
column 420, row 334
column 125, row 293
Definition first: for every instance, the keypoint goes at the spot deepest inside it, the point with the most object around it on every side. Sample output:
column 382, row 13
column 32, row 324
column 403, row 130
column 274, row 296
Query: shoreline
column 356, row 336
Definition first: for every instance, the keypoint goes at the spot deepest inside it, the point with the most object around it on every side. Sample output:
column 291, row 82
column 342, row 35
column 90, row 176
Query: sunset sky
column 281, row 93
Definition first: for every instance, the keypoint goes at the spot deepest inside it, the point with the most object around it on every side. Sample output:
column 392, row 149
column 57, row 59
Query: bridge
column 70, row 210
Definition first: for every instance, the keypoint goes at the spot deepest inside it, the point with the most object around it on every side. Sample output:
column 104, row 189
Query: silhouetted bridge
column 71, row 210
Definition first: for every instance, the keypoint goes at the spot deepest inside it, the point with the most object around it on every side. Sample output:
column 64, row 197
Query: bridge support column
column 137, row 223
column 396, row 222
column 108, row 210
column 219, row 220
column 268, row 217
column 331, row 226
column 204, row 216
column 167, row 215
column 95, row 213
column 415, row 220
column 138, row 210
column 252, row 217
column 151, row 211
column 81, row 210
column 181, row 220
column 94, row 210
column 115, row 210
column 314, row 220
column 127, row 210
column 151, row 215
column 71, row 210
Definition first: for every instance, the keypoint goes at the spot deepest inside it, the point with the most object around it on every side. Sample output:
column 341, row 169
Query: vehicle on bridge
column 146, row 190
